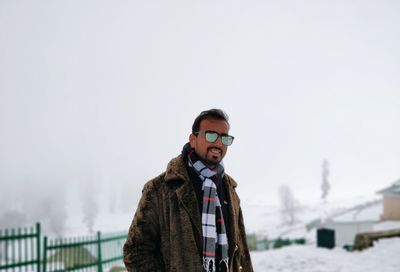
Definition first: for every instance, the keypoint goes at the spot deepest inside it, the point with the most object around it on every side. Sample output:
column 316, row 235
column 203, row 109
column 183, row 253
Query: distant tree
column 57, row 217
column 89, row 206
column 128, row 196
column 325, row 186
column 51, row 211
column 48, row 206
column 10, row 219
column 289, row 205
column 113, row 198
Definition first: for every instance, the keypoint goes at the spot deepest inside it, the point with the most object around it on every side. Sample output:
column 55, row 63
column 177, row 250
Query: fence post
column 38, row 241
column 6, row 246
column 44, row 254
column 99, row 259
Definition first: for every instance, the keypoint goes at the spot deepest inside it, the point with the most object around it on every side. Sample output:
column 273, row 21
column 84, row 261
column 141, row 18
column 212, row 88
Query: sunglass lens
column 211, row 137
column 227, row 140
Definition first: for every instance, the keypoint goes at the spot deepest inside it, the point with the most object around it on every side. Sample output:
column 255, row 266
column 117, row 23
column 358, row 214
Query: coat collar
column 176, row 170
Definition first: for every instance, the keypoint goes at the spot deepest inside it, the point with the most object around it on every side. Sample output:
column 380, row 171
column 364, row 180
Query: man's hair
column 215, row 114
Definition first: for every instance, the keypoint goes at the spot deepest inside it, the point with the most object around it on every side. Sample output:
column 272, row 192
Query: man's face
column 210, row 153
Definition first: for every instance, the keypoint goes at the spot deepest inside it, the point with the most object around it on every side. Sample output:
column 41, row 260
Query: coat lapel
column 234, row 212
column 185, row 192
column 187, row 197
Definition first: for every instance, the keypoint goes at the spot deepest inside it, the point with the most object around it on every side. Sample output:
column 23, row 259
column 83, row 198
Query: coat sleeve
column 245, row 260
column 142, row 247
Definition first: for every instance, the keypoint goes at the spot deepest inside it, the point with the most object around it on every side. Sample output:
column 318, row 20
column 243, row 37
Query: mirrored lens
column 227, row 140
column 211, row 136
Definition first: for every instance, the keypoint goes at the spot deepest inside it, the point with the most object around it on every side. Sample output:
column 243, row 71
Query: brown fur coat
column 165, row 234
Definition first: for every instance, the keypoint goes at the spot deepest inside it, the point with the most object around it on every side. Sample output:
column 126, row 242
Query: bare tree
column 114, row 194
column 128, row 198
column 289, row 205
column 48, row 206
column 325, row 186
column 89, row 205
column 10, row 219
column 57, row 216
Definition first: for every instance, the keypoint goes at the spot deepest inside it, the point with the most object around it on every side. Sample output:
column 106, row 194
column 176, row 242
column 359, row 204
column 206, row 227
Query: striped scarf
column 213, row 226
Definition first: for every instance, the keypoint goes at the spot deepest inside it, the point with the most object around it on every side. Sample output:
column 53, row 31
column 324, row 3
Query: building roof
column 392, row 189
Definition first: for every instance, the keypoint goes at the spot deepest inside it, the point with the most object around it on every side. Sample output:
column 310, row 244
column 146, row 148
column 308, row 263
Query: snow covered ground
column 383, row 257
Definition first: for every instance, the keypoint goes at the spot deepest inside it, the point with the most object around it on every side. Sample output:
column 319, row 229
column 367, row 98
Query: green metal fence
column 93, row 253
column 20, row 249
column 111, row 249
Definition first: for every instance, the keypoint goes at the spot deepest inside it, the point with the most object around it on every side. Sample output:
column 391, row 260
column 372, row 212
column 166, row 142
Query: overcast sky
column 108, row 91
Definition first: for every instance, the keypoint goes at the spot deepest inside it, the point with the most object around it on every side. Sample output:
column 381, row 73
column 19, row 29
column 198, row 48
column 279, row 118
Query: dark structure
column 326, row 238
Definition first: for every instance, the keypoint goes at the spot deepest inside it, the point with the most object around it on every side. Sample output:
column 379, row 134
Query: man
column 189, row 218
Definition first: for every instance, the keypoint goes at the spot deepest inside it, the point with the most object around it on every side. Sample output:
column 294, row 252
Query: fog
column 97, row 96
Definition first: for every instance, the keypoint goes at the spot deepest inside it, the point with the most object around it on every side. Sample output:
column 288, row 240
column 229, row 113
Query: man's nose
column 218, row 142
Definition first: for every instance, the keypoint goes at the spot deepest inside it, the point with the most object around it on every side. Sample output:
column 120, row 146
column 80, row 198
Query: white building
column 345, row 231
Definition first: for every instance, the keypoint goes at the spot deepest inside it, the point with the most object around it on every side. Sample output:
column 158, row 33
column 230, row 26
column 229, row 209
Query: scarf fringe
column 225, row 261
column 207, row 262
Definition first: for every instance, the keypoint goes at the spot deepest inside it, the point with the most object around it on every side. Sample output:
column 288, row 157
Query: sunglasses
column 212, row 136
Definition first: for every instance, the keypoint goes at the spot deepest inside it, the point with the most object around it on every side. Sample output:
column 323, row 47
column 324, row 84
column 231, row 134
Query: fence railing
column 82, row 253
column 111, row 248
column 20, row 248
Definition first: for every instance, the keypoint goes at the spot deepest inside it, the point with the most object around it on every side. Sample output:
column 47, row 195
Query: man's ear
column 192, row 140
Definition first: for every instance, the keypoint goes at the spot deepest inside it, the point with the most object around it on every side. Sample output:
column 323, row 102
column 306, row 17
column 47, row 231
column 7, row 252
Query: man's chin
column 211, row 163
